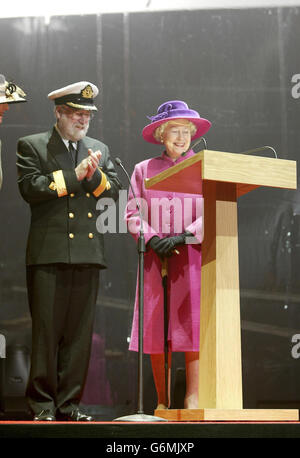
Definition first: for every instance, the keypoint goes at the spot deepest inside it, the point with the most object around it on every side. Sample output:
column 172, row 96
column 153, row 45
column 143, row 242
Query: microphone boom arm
column 261, row 148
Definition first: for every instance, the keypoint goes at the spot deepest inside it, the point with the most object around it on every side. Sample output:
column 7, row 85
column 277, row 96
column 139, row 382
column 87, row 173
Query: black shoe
column 44, row 415
column 75, row 415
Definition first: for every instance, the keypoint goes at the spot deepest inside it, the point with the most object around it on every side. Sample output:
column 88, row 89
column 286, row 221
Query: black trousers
column 62, row 301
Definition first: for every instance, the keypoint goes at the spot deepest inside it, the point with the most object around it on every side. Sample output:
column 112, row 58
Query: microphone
column 119, row 163
column 202, row 139
column 261, row 148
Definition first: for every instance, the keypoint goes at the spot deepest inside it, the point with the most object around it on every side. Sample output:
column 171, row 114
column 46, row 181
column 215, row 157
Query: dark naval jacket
column 63, row 209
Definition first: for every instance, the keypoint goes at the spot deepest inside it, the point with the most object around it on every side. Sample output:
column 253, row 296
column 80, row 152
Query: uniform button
column 87, row 194
column 90, row 215
column 71, row 215
column 71, row 236
column 91, row 235
column 72, row 194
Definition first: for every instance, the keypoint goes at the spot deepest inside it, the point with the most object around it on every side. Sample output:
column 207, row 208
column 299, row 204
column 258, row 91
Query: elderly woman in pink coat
column 173, row 228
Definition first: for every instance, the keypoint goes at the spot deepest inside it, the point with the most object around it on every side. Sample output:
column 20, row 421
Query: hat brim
column 202, row 125
column 4, row 99
column 78, row 106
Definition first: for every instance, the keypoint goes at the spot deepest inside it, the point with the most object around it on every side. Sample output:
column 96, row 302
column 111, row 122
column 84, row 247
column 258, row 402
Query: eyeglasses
column 78, row 114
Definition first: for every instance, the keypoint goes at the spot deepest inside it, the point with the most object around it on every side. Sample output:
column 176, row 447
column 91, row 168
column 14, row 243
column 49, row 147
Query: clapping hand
column 88, row 165
column 93, row 162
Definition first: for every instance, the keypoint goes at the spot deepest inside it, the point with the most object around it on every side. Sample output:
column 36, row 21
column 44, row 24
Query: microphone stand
column 140, row 415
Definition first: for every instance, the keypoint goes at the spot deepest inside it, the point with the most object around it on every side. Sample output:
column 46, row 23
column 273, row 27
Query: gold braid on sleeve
column 104, row 185
column 59, row 184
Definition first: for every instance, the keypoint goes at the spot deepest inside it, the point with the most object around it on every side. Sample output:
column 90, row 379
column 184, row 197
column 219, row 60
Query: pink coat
column 167, row 213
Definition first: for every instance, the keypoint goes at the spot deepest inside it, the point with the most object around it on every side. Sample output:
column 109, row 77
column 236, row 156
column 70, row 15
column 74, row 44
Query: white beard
column 72, row 130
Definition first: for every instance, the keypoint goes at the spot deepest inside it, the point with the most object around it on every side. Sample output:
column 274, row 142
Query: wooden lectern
column 223, row 177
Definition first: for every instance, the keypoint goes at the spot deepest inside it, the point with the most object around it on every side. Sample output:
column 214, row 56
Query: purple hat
column 175, row 109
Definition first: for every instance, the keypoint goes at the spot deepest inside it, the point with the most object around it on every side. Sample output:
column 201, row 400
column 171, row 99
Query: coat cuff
column 197, row 232
column 64, row 182
column 98, row 184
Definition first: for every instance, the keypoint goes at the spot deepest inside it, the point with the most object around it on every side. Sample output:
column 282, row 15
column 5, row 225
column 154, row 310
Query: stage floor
column 175, row 431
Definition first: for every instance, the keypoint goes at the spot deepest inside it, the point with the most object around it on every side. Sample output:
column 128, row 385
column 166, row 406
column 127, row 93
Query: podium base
column 140, row 417
column 228, row 414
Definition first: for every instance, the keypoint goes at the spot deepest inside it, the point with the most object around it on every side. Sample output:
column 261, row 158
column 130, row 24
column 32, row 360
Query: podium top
column 248, row 172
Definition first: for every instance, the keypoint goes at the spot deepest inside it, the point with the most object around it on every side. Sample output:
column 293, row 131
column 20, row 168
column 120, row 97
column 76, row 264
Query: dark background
column 235, row 67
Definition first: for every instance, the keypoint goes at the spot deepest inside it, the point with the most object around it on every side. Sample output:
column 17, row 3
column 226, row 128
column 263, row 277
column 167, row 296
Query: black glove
column 165, row 247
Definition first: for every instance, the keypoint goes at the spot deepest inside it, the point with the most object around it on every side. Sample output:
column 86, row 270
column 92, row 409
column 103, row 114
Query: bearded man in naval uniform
column 61, row 175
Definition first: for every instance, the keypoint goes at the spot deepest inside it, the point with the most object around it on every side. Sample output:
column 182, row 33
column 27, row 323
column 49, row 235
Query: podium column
column 222, row 177
column 220, row 363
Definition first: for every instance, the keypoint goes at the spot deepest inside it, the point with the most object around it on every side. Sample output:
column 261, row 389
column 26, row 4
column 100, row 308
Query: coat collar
column 181, row 158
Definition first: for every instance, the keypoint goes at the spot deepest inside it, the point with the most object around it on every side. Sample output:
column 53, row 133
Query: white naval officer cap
column 77, row 95
column 10, row 92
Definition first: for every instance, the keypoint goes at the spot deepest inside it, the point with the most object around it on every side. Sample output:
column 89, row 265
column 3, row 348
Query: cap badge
column 87, row 92
column 10, row 89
